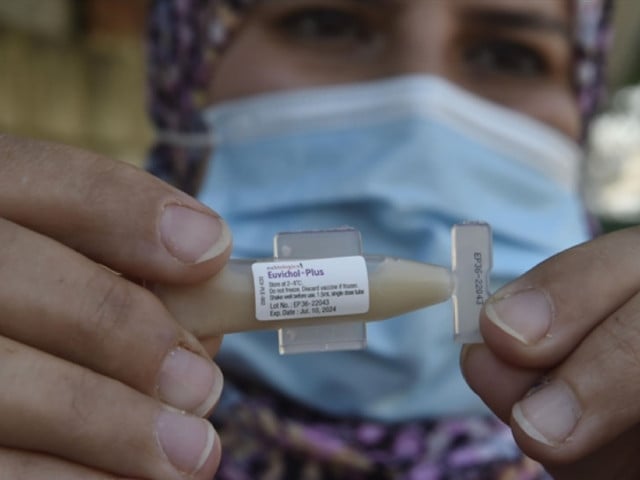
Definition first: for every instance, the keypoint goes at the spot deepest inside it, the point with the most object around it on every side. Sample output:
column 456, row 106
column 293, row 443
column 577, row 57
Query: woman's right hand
column 97, row 380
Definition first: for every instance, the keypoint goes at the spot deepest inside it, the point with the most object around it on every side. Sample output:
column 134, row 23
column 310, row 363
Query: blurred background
column 73, row 71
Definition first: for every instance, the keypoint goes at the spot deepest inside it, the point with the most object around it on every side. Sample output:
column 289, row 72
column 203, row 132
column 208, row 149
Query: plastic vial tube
column 279, row 292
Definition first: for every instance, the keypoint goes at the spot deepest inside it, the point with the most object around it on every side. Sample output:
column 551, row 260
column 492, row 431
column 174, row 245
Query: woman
column 87, row 377
column 377, row 114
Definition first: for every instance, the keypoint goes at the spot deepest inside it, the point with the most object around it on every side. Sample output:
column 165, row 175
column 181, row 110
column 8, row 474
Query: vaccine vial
column 319, row 290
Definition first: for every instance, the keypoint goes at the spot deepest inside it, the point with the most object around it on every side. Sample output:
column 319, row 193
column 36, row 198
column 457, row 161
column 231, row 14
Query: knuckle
column 101, row 177
column 81, row 387
column 24, row 465
column 19, row 465
column 108, row 310
column 9, row 238
column 14, row 466
column 128, row 199
column 124, row 321
column 622, row 337
column 108, row 177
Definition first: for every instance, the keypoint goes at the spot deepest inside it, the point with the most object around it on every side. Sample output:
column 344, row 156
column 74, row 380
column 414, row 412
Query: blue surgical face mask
column 401, row 160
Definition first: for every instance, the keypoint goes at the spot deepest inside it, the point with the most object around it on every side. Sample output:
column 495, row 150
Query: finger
column 111, row 212
column 618, row 459
column 58, row 301
column 537, row 320
column 497, row 383
column 21, row 465
column 591, row 398
column 69, row 412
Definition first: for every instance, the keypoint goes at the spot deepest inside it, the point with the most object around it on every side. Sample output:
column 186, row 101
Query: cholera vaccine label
column 326, row 287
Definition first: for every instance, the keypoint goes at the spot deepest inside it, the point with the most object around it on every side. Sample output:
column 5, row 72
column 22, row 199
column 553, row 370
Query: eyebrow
column 519, row 20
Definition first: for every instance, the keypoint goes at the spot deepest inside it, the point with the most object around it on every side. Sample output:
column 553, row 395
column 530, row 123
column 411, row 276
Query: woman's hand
column 97, row 380
column 562, row 359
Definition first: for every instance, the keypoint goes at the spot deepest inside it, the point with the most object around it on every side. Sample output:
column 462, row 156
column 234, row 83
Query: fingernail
column 524, row 315
column 191, row 236
column 548, row 414
column 186, row 441
column 189, row 382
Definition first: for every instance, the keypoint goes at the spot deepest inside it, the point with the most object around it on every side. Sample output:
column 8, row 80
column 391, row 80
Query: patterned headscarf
column 186, row 38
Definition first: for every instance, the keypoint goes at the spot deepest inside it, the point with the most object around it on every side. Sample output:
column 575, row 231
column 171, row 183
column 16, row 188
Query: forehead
column 544, row 14
column 555, row 8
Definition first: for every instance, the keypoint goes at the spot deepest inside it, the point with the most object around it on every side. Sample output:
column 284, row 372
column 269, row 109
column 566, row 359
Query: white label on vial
column 325, row 287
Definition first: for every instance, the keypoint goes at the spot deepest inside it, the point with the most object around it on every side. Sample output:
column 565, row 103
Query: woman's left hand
column 561, row 362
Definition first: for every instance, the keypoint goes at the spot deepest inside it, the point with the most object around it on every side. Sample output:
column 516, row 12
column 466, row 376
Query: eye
column 325, row 24
column 505, row 57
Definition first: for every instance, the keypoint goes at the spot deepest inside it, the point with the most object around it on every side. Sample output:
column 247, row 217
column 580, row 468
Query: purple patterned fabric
column 593, row 38
column 185, row 39
column 265, row 436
